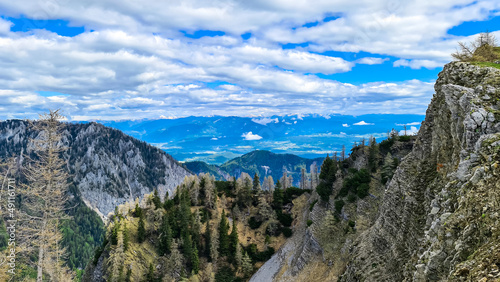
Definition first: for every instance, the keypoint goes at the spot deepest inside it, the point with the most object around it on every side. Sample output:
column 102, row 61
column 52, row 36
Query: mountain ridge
column 261, row 162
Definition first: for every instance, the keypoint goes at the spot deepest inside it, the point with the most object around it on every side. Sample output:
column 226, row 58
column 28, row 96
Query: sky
column 115, row 60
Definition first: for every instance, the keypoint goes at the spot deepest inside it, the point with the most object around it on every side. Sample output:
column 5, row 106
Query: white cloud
column 371, row 61
column 265, row 121
column 412, row 131
column 411, row 123
column 417, row 64
column 251, row 136
column 362, row 123
column 137, row 62
column 345, row 125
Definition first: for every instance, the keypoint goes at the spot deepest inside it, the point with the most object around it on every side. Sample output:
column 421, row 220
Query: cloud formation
column 362, row 123
column 250, row 136
column 267, row 57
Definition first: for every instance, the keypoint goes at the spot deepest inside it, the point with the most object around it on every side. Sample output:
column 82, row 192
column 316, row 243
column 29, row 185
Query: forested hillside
column 105, row 168
column 208, row 230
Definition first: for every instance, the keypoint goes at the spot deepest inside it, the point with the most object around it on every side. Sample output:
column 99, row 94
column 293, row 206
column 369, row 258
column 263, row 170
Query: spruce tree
column 278, row 196
column 141, row 230
column 165, row 236
column 195, row 260
column 223, row 236
column 137, row 211
column 327, row 177
column 151, row 274
column 126, row 237
column 128, row 277
column 156, row 199
column 247, row 265
column 114, row 233
column 256, row 182
column 233, row 239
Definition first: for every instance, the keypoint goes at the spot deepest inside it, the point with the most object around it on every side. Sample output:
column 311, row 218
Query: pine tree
column 247, row 265
column 233, row 239
column 138, row 211
column 278, row 196
column 239, row 255
column 373, row 155
column 214, row 245
column 156, row 199
column 223, row 236
column 256, row 183
column 327, row 177
column 388, row 168
column 114, row 233
column 165, row 236
column 187, row 247
column 141, row 230
column 44, row 197
column 128, row 277
column 126, row 237
column 195, row 260
column 151, row 274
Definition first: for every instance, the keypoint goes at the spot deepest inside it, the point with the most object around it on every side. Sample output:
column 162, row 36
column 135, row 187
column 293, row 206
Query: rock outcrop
column 108, row 167
column 438, row 218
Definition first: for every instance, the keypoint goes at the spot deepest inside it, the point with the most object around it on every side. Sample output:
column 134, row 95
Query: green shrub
column 351, row 198
column 404, row 138
column 254, row 223
column 309, row 222
column 311, row 206
column 339, row 204
column 287, row 232
column 363, row 190
column 284, row 218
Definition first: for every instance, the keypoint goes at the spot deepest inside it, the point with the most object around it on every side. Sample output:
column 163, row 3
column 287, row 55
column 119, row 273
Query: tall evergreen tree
column 233, row 239
column 126, row 237
column 373, row 155
column 326, row 178
column 156, row 199
column 141, row 229
column 223, row 236
column 151, row 274
column 278, row 196
column 195, row 260
column 165, row 236
column 256, row 183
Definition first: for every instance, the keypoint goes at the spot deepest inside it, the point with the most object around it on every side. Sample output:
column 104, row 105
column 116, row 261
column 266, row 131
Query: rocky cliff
column 108, row 167
column 438, row 218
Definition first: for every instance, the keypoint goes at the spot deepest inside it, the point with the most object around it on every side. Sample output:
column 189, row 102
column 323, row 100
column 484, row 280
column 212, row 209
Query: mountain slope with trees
column 261, row 162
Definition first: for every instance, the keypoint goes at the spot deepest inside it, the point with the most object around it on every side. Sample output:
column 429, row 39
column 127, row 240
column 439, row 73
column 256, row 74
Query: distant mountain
column 218, row 139
column 260, row 162
column 107, row 166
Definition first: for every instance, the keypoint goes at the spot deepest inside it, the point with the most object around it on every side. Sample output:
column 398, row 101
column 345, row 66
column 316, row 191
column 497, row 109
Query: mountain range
column 260, row 162
column 218, row 139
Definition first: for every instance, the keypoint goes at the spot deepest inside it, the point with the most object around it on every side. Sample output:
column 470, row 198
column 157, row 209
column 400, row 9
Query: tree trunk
column 40, row 263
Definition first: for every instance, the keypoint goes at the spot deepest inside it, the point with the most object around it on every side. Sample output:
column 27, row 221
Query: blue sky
column 101, row 60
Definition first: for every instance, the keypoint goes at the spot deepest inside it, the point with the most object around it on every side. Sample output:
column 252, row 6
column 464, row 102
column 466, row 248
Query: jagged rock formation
column 108, row 167
column 438, row 218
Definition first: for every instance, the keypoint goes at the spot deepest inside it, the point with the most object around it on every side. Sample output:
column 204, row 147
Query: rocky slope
column 438, row 218
column 108, row 167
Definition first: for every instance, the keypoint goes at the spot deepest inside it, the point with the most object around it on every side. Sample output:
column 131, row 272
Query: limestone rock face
column 438, row 219
column 107, row 167
column 439, row 213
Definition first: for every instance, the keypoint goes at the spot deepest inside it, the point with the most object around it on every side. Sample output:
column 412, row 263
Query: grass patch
column 487, row 64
